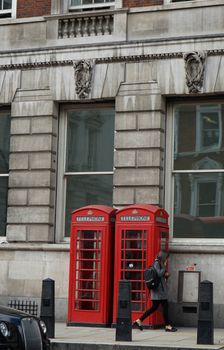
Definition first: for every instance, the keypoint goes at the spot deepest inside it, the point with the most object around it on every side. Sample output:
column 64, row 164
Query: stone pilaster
column 139, row 144
column 32, row 167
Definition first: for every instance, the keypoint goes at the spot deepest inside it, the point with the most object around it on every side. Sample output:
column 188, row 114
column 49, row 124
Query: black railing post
column 47, row 313
column 205, row 331
column 124, row 322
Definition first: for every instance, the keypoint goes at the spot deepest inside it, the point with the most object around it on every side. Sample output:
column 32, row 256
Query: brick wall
column 139, row 3
column 33, row 8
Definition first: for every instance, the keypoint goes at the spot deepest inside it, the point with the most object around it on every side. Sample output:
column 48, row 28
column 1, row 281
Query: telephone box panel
column 91, row 267
column 141, row 231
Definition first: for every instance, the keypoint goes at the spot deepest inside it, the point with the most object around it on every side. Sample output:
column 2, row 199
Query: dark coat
column 161, row 292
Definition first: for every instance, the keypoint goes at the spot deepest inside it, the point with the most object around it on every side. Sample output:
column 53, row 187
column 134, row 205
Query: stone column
column 139, row 144
column 32, row 167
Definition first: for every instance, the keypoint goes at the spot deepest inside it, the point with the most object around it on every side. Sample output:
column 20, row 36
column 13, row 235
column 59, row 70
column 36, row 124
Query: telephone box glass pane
column 88, row 269
column 133, row 264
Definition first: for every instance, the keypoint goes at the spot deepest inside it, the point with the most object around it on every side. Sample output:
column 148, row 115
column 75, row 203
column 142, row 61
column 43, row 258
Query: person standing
column 159, row 296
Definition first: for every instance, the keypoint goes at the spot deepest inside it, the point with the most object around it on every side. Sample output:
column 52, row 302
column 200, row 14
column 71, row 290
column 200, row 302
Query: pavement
column 95, row 338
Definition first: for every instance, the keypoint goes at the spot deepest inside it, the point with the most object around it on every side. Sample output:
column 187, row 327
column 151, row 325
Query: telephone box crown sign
column 142, row 213
column 93, row 213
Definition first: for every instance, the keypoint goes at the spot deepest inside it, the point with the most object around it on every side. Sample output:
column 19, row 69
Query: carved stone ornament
column 195, row 66
column 83, row 77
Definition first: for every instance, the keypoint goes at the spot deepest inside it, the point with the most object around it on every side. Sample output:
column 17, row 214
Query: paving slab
column 95, row 338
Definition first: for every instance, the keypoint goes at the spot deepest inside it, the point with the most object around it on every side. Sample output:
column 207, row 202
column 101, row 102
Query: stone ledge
column 194, row 246
column 63, row 247
column 128, row 58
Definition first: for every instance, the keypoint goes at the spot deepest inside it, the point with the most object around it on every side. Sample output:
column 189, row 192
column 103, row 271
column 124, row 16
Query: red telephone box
column 91, row 272
column 141, row 232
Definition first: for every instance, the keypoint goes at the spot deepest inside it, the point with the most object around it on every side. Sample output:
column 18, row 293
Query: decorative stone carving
column 83, row 77
column 195, row 66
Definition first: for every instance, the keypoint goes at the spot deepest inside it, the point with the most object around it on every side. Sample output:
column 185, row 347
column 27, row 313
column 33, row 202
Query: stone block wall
column 139, row 144
column 23, row 268
column 32, row 167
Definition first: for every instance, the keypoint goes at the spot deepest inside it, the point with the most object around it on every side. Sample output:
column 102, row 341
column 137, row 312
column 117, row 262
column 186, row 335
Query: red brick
column 33, row 8
column 141, row 3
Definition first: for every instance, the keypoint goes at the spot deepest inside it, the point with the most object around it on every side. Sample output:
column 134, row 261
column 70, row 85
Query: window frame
column 62, row 174
column 12, row 11
column 94, row 6
column 170, row 172
column 180, row 2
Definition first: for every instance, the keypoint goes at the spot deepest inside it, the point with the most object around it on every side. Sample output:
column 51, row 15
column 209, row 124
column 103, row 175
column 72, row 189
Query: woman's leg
column 164, row 304
column 168, row 326
column 154, row 307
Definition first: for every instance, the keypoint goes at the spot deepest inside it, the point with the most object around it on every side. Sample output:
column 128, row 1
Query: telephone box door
column 138, row 239
column 91, row 270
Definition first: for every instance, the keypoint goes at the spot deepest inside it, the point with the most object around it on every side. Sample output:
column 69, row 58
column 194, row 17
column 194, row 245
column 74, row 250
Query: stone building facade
column 110, row 102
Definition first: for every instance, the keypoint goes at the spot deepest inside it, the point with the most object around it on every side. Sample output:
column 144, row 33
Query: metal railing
column 29, row 306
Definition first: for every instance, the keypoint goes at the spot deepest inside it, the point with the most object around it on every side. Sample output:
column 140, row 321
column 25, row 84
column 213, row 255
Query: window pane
column 76, row 2
column 199, row 137
column 210, row 129
column 90, row 139
column 87, row 2
column 3, row 204
column 7, row 4
column 84, row 190
column 4, row 142
column 199, row 205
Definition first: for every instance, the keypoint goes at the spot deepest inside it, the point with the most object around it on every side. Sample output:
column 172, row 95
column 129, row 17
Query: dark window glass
column 87, row 2
column 199, row 210
column 7, row 4
column 198, row 193
column 76, row 2
column 87, row 189
column 3, row 204
column 4, row 168
column 199, row 137
column 90, row 139
column 4, row 142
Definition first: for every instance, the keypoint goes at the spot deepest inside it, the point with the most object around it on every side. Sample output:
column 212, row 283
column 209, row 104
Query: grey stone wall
column 139, row 144
column 32, row 169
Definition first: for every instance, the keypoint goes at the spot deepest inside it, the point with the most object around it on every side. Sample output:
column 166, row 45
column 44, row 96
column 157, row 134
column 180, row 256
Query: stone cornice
column 131, row 58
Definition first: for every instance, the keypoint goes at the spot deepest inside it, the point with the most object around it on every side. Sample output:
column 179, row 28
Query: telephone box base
column 81, row 324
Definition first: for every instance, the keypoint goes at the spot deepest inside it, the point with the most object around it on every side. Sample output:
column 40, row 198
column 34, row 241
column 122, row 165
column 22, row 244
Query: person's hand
column 167, row 274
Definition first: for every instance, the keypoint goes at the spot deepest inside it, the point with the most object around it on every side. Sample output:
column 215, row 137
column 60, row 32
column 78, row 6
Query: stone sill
column 6, row 21
column 85, row 14
column 203, row 246
column 178, row 6
column 48, row 247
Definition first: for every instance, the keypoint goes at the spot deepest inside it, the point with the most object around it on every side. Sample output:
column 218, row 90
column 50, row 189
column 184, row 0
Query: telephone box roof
column 147, row 207
column 103, row 208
